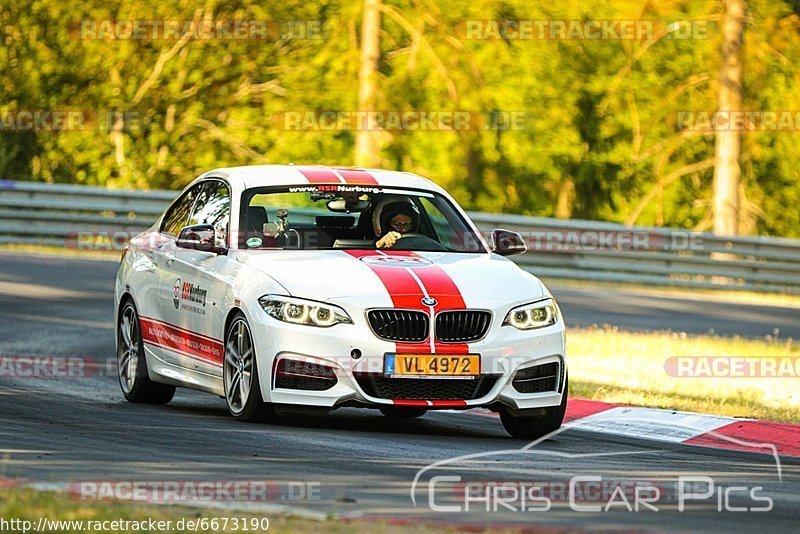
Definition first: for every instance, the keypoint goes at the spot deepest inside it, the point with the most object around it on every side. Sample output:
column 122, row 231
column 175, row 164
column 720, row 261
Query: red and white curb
column 684, row 427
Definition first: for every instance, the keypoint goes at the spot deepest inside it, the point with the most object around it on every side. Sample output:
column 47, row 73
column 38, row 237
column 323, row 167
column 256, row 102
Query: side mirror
column 200, row 237
column 508, row 243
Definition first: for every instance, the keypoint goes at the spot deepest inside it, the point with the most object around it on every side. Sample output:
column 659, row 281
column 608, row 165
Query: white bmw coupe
column 290, row 288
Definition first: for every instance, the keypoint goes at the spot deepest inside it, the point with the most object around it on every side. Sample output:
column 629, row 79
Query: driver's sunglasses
column 397, row 225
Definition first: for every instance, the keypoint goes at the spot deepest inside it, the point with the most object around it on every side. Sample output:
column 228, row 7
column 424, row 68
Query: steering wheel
column 413, row 241
column 413, row 234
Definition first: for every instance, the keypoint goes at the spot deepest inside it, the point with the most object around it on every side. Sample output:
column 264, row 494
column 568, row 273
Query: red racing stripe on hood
column 408, row 286
column 440, row 286
column 401, row 286
column 404, row 291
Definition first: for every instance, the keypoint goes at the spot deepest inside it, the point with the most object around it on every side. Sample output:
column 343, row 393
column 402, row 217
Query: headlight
column 301, row 311
column 532, row 316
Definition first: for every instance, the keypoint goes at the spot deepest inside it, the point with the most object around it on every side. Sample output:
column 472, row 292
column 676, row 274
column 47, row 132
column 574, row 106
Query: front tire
column 133, row 378
column 240, row 374
column 535, row 427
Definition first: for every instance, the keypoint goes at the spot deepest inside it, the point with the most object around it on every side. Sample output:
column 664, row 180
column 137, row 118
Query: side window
column 178, row 215
column 213, row 207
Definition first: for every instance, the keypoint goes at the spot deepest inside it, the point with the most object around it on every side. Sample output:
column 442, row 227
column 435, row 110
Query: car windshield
column 318, row 217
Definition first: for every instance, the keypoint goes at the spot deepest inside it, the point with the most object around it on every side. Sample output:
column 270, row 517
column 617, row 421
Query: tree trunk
column 565, row 199
column 368, row 145
column 728, row 141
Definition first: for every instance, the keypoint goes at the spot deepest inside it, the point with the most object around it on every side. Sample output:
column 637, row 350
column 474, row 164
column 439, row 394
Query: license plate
column 432, row 365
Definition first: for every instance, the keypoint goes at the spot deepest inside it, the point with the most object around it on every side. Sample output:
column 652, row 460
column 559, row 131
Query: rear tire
column 535, row 427
column 240, row 374
column 132, row 364
column 397, row 412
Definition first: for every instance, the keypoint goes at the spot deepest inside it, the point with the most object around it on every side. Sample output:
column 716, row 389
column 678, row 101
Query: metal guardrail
column 55, row 215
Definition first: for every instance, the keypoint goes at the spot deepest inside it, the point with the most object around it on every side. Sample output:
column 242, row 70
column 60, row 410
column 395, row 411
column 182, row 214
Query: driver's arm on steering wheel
column 388, row 240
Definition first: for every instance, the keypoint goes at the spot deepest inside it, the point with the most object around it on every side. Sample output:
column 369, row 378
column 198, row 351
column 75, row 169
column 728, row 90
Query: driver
column 397, row 218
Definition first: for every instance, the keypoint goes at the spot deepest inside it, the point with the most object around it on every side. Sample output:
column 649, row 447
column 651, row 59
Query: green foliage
column 599, row 139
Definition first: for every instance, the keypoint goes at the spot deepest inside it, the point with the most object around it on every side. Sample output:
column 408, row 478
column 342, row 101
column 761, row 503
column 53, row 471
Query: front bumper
column 503, row 351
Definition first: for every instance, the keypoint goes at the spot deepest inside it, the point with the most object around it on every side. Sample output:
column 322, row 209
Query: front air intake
column 462, row 326
column 308, row 376
column 538, row 378
column 399, row 325
column 383, row 387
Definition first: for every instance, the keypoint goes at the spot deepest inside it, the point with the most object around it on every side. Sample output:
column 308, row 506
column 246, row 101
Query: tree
column 599, row 140
column 728, row 141
column 368, row 142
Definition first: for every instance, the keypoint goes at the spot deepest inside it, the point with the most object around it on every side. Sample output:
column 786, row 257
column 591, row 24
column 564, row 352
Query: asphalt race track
column 354, row 462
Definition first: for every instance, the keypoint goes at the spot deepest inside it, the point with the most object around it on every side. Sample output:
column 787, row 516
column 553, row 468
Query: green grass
column 611, row 365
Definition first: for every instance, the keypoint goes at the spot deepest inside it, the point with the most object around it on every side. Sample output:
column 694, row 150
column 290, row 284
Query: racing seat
column 256, row 219
column 364, row 228
column 330, row 228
